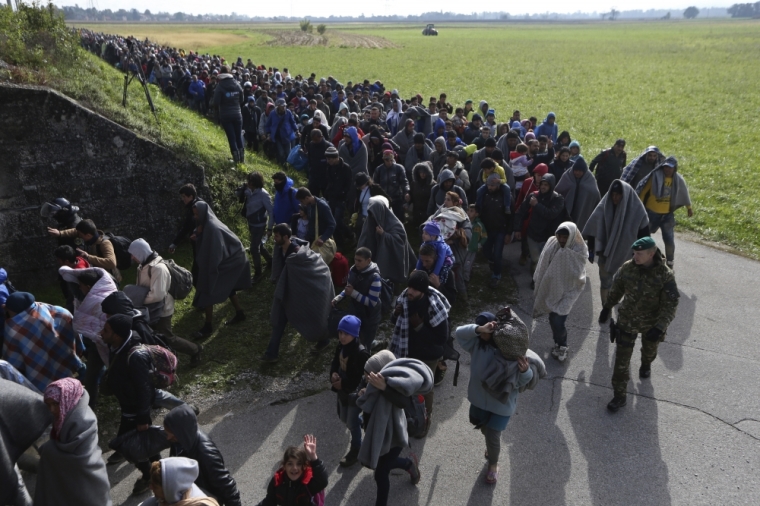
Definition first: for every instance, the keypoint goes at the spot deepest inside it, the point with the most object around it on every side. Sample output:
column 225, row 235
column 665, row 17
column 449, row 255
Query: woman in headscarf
column 71, row 469
column 559, row 279
column 223, row 266
column 563, row 140
column 394, row 116
column 385, row 237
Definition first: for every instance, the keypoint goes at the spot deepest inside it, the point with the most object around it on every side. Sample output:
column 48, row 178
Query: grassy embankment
column 688, row 87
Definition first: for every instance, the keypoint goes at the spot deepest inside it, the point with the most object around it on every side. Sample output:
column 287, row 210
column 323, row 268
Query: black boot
column 350, row 458
column 604, row 316
column 616, row 403
column 241, row 155
column 645, row 371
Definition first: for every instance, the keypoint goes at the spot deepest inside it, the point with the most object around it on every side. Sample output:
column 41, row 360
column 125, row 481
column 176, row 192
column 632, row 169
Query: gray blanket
column 679, row 192
column 499, row 378
column 23, row 418
column 615, row 228
column 72, row 469
column 358, row 163
column 390, row 250
column 412, row 158
column 387, row 423
column 581, row 196
column 304, row 291
column 222, row 263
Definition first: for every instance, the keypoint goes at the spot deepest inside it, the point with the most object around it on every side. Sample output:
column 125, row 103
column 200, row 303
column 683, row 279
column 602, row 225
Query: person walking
column 649, row 294
column 559, row 279
column 259, row 214
column 608, row 165
column 228, row 98
column 494, row 200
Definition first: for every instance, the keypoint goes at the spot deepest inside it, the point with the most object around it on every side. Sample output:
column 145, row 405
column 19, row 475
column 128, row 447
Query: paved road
column 689, row 435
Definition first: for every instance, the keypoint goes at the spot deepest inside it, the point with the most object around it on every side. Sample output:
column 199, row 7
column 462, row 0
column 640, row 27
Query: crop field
column 690, row 88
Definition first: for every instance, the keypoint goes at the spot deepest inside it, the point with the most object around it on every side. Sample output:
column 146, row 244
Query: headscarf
column 66, row 393
column 560, row 274
column 356, row 142
column 322, row 119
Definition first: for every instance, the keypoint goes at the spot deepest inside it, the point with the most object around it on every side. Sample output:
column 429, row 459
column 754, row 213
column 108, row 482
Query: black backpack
column 121, row 250
column 386, row 294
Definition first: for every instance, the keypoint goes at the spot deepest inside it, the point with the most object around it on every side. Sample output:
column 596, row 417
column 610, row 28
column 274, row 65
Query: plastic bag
column 139, row 446
column 297, row 159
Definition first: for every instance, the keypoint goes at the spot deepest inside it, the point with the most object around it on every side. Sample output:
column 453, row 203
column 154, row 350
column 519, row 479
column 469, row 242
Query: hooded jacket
column 437, row 158
column 420, row 191
column 392, row 180
column 545, row 216
column 282, row 491
column 178, row 475
column 438, row 194
column 228, row 97
column 549, row 130
column 128, row 379
column 285, row 202
column 653, row 185
column 581, row 195
column 390, row 250
column 194, row 444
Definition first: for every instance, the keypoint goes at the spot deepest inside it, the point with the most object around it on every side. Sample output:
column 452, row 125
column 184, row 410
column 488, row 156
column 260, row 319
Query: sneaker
column 320, row 347
column 257, row 278
column 493, row 283
column 239, row 317
column 142, row 485
column 604, row 316
column 439, row 375
column 424, row 433
column 115, row 458
column 670, row 263
column 562, row 353
column 645, row 371
column 555, row 351
column 267, row 359
column 414, row 469
column 205, row 331
column 196, row 359
column 616, row 403
column 350, row 458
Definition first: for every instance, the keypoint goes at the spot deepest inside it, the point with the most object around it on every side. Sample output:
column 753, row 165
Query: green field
column 688, row 87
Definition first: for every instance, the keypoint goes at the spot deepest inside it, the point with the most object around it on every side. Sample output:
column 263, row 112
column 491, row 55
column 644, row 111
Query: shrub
column 306, row 26
column 321, row 29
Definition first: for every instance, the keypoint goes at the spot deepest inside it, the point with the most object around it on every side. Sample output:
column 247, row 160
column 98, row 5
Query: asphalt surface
column 689, row 435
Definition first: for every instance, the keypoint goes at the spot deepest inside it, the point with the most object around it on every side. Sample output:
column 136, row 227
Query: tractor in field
column 430, row 30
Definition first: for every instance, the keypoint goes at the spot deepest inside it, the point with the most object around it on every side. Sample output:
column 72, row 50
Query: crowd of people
column 383, row 173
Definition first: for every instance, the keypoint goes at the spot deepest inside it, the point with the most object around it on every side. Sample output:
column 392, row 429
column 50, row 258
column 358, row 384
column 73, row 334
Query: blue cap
column 432, row 228
column 350, row 325
column 484, row 318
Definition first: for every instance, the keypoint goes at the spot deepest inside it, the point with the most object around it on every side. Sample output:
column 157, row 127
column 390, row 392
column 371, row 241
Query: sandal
column 492, row 476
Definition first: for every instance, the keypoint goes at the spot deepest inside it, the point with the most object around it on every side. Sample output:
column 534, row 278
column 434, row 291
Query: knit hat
column 140, row 249
column 350, row 325
column 575, row 144
column 484, row 318
column 493, row 178
column 644, row 243
column 491, row 112
column 376, row 362
column 477, row 117
column 490, row 142
column 512, row 134
column 117, row 303
column 388, row 153
column 541, row 168
column 121, row 325
column 19, row 301
column 280, row 102
column 361, row 179
column 420, row 281
column 331, row 152
column 432, row 228
column 419, row 138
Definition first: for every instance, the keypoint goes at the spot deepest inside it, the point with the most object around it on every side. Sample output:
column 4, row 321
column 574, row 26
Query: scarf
column 438, row 312
column 560, row 274
column 66, row 393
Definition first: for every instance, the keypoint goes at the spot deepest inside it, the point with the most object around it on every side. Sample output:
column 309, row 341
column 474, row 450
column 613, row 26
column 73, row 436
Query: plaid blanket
column 438, row 312
column 41, row 343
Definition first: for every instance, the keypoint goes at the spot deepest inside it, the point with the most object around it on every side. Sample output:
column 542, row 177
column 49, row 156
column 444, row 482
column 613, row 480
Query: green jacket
column 650, row 296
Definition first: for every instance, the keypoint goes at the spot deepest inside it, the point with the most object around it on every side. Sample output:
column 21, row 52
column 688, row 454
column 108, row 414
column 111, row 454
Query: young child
column 520, row 163
column 346, row 373
column 431, row 234
column 302, row 227
column 477, row 241
column 300, row 477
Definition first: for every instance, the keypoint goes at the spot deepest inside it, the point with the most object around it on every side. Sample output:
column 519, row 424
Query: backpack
column 121, row 250
column 163, row 371
column 386, row 294
column 317, row 499
column 339, row 270
column 416, row 415
column 182, row 279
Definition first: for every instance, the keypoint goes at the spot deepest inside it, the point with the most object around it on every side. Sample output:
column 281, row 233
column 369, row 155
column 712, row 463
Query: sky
column 300, row 8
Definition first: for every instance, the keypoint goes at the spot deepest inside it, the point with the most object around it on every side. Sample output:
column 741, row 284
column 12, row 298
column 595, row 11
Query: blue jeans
column 559, row 332
column 350, row 415
column 493, row 250
column 283, row 150
column 667, row 223
column 233, row 127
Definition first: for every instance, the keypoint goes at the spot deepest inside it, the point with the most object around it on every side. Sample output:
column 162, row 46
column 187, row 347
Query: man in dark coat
column 608, row 166
column 189, row 441
column 546, row 210
column 391, row 177
column 317, row 162
column 338, row 184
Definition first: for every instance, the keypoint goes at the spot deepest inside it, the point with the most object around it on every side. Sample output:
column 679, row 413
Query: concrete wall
column 50, row 147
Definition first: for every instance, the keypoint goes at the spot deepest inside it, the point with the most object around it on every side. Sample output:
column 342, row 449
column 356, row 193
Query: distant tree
column 614, row 14
column 691, row 12
column 147, row 13
column 504, row 17
column 179, row 16
column 134, row 15
column 321, row 29
column 666, row 16
column 306, row 25
column 744, row 10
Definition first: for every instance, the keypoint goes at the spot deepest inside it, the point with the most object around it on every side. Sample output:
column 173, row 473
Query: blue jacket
column 480, row 358
column 285, row 203
column 482, row 191
column 442, row 251
column 288, row 129
column 197, row 89
column 548, row 130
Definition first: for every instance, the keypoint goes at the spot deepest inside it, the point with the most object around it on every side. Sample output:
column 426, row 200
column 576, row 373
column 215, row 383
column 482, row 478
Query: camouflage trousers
column 623, row 352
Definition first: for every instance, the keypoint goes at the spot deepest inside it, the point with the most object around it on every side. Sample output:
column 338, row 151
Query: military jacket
column 650, row 296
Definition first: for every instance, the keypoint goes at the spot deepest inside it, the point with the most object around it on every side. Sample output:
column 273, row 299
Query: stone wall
column 50, row 146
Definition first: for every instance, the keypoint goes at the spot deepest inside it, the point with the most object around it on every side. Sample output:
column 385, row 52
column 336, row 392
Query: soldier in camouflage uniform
column 650, row 297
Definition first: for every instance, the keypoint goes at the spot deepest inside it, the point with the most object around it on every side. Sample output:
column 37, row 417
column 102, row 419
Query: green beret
column 643, row 244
